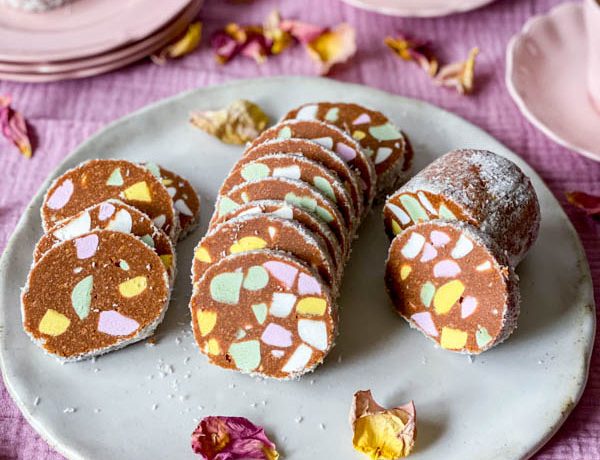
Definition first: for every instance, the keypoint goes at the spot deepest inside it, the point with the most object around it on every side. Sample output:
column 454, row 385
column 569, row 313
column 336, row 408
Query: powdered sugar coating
column 490, row 189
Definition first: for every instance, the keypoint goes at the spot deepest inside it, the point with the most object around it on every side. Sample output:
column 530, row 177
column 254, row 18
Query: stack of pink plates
column 87, row 37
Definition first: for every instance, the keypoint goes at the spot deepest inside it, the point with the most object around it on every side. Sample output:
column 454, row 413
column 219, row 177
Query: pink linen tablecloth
column 65, row 114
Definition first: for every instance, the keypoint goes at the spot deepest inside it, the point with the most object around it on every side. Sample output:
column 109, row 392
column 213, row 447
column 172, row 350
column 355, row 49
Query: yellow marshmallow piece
column 133, row 287
column 53, row 323
column 453, row 339
column 358, row 135
column 311, row 306
column 405, row 271
column 247, row 243
column 202, row 255
column 138, row 192
column 206, row 321
column 447, row 295
column 212, row 347
column 396, row 227
column 167, row 260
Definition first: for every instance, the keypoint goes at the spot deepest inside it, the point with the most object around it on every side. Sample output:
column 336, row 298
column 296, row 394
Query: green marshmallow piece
column 324, row 214
column 226, row 205
column 416, row 212
column 445, row 213
column 427, row 293
column 332, row 114
column 246, row 355
column 148, row 240
column 81, row 296
column 115, row 178
column 255, row 171
column 284, row 133
column 386, row 132
column 304, row 202
column 260, row 311
column 225, row 288
column 256, row 278
column 483, row 337
column 324, row 186
column 154, row 169
column 124, row 265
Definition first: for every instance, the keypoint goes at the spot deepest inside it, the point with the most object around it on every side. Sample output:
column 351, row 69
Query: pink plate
column 418, row 8
column 80, row 29
column 110, row 61
column 545, row 75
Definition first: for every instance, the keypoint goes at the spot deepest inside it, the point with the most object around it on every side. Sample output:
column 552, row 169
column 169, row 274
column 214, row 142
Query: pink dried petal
column 256, row 48
column 302, row 31
column 224, row 46
column 459, row 75
column 14, row 126
column 588, row 203
column 332, row 47
column 231, row 438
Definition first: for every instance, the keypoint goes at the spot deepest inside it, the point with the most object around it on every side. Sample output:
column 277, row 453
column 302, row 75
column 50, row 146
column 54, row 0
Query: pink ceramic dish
column 80, row 29
column 418, row 8
column 114, row 59
column 546, row 77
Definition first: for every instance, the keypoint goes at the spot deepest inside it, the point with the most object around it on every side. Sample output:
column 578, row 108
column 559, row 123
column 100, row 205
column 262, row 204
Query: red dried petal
column 586, row 202
column 231, row 438
column 14, row 127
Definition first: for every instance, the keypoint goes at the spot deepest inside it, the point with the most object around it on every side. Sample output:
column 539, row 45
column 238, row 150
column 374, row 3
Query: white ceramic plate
column 418, row 8
column 554, row 100
column 505, row 404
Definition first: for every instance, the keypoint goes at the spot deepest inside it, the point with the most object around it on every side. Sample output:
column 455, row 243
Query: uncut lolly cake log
column 291, row 212
column 111, row 215
column 185, row 198
column 334, row 139
column 263, row 313
column 316, row 152
column 453, row 283
column 298, row 168
column 475, row 186
column 378, row 137
column 95, row 181
column 94, row 294
column 291, row 191
column 264, row 231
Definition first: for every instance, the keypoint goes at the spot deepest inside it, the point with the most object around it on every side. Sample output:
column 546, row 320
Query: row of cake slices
column 459, row 229
column 104, row 269
column 267, row 274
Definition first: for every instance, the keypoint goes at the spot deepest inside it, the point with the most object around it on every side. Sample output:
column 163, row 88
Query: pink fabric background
column 65, row 114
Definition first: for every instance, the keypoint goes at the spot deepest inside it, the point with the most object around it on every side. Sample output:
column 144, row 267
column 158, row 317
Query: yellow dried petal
column 185, row 45
column 459, row 75
column 333, row 47
column 382, row 433
column 242, row 121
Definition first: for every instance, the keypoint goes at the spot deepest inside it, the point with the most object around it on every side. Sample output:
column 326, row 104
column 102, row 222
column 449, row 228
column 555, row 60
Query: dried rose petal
column 185, row 45
column 278, row 38
column 230, row 438
column 332, row 47
column 382, row 433
column 588, row 203
column 235, row 39
column 241, row 122
column 14, row 126
column 302, row 31
column 411, row 49
column 459, row 75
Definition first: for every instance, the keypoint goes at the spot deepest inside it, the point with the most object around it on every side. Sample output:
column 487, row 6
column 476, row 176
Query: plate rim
column 588, row 343
column 516, row 93
column 412, row 13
